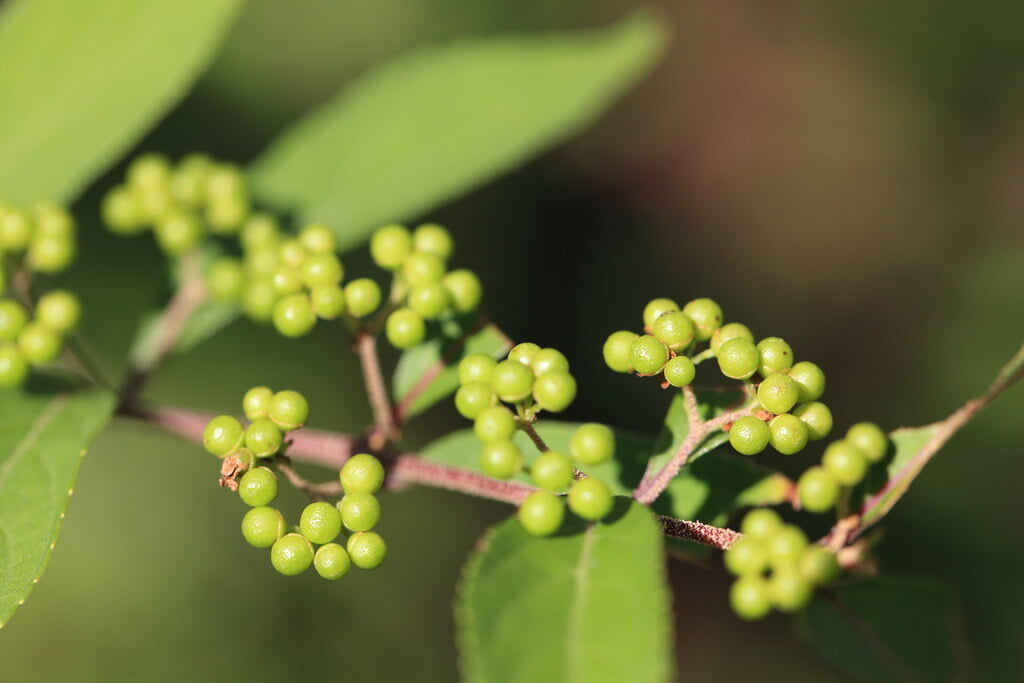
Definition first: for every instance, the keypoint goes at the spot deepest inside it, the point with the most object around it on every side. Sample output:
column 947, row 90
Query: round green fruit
column 320, row 522
column 541, row 513
column 223, row 435
column 592, row 444
column 616, row 350
column 262, row 526
column 331, row 561
column 359, row 511
column 258, row 487
column 706, row 315
column 552, row 470
column 590, row 498
column 749, row 435
column 362, row 473
column 291, row 554
column 647, row 355
column 366, row 549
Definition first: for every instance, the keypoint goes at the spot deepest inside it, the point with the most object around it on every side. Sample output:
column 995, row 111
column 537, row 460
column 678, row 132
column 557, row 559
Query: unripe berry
column 679, row 371
column 59, row 310
column 524, row 353
column 494, row 424
column 817, row 490
column 706, row 315
column 359, row 511
column 321, row 269
column 421, row 267
column 320, row 522
column 787, row 434
column 786, row 545
column 776, row 356
column 738, row 358
column 286, row 280
column 749, row 435
column 39, row 344
column 674, row 329
column 818, row 565
column 390, row 245
column 616, row 350
column 331, row 561
column 149, row 171
column 590, row 498
column 405, row 328
column 748, row 555
column 817, row 417
column 263, row 438
column 50, row 254
column 317, row 238
column 655, row 308
column 750, row 597
column 476, row 367
column 222, row 435
column 810, row 378
column 762, row 523
column 328, row 302
column 13, row 366
column 177, row 232
column 289, row 410
column 362, row 473
column 552, row 470
column 261, row 231
column 547, row 360
column 727, row 332
column 291, row 253
column 464, row 289
column 501, row 459
column 778, row 393
column 432, row 239
column 473, row 397
column 293, row 315
column 262, row 526
column 870, row 439
column 429, row 300
column 845, row 463
column 225, row 279
column 541, row 513
column 291, row 554
column 258, row 301
column 13, row 318
column 121, row 212
column 366, row 549
column 256, row 403
column 790, row 590
column 53, row 219
column 647, row 355
column 554, row 391
column 592, row 444
column 512, row 381
column 258, row 487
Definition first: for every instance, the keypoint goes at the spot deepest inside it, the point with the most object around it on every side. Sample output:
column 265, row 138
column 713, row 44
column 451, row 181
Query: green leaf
column 428, row 127
column 43, row 436
column 82, row 81
column 428, row 373
column 590, row 604
column 891, row 629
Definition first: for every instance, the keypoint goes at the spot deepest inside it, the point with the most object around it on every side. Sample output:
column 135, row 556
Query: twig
column 698, row 532
column 411, row 469
column 385, row 430
column 527, row 426
column 315, row 491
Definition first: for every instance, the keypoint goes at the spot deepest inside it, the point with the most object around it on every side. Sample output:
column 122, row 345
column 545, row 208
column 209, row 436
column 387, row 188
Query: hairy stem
column 527, row 427
column 385, row 429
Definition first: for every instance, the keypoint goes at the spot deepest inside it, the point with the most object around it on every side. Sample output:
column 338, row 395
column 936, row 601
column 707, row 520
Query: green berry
column 748, row 555
column 262, row 526
column 541, row 513
column 15, row 230
column 590, row 498
column 778, row 393
column 789, row 589
column 225, row 216
column 512, row 381
column 554, row 391
column 362, row 473
column 476, row 367
column 286, row 281
column 727, row 332
column 59, row 310
column 787, row 434
column 52, row 219
column 786, row 545
column 524, row 353
column 120, row 211
column 776, row 356
column 225, row 279
column 289, row 410
column 155, row 204
column 429, row 300
column 291, row 253
column 320, row 522
column 256, row 403
column 13, row 366
column 749, row 435
column 706, row 315
column 817, row 490
column 647, row 355
column 317, row 238
column 547, row 360
column 367, row 549
column 464, row 289
column 738, row 358
column 679, row 371
column 818, row 419
column 655, row 308
column 495, row 423
column 39, row 344
column 263, row 438
column 390, row 246
column 321, row 269
column 291, row 554
column 810, row 378
column 845, row 463
column 592, row 444
column 750, row 597
column 616, row 350
column 359, row 511
column 293, row 315
column 501, row 459
column 405, row 328
column 552, row 470
column 473, row 397
column 258, row 487
column 262, row 263
column 762, row 523
column 149, row 170
column 223, row 435
column 177, row 232
column 870, row 439
column 331, row 561
column 261, row 231
column 328, row 302
column 674, row 329
column 432, row 239
column 818, row 565
column 50, row 254
column 13, row 317
column 422, row 267
column 188, row 180
column 258, row 301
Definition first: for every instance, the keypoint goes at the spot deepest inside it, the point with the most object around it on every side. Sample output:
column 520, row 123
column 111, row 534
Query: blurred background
column 847, row 175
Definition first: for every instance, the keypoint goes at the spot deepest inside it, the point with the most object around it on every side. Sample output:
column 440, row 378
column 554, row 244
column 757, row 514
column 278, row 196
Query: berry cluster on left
column 36, row 239
column 251, row 456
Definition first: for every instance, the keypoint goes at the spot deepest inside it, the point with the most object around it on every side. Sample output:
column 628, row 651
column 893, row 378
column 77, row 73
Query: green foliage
column 423, row 129
column 888, row 629
column 589, row 605
column 81, row 82
column 46, row 431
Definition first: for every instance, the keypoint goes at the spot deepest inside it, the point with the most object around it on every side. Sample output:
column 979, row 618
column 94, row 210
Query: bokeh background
column 847, row 175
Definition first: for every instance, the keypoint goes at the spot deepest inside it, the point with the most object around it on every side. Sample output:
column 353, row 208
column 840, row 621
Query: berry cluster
column 844, row 463
column 530, row 380
column 40, row 238
column 424, row 289
column 313, row 541
column 180, row 203
column 38, row 340
column 775, row 566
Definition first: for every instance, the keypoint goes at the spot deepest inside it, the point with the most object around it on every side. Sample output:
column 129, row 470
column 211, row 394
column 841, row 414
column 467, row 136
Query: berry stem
column 316, row 492
column 527, row 426
column 385, row 427
column 190, row 293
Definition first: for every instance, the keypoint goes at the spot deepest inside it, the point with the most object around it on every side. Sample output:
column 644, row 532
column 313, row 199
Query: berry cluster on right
column 844, row 463
column 775, row 566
